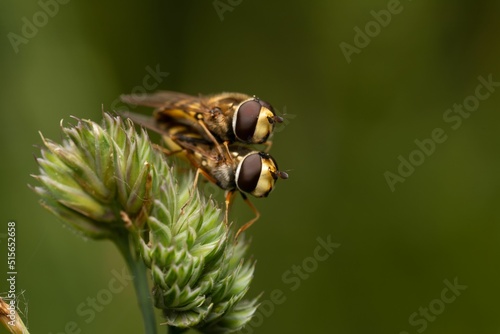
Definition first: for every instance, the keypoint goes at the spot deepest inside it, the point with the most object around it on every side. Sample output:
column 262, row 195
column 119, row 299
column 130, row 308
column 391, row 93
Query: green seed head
column 96, row 173
column 107, row 181
column 199, row 273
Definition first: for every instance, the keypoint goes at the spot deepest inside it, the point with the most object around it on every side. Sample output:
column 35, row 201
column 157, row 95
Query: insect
column 225, row 117
column 242, row 170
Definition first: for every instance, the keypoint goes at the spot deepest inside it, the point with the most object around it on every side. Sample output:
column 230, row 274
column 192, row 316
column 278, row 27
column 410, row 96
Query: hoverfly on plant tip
column 237, row 169
column 222, row 118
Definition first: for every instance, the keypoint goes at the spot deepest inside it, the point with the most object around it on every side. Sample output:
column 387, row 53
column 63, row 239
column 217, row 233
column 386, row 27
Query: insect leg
column 229, row 156
column 191, row 193
column 166, row 151
column 268, row 145
column 229, row 200
column 249, row 223
column 212, row 138
column 195, row 184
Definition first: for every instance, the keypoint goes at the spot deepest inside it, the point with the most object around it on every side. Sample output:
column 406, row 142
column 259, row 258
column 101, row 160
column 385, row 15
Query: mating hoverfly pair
column 216, row 134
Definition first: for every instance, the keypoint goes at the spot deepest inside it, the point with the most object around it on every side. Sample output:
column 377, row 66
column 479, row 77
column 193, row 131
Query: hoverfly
column 244, row 170
column 225, row 117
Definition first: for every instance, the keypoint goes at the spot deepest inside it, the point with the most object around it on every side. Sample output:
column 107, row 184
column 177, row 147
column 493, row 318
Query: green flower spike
column 198, row 270
column 107, row 182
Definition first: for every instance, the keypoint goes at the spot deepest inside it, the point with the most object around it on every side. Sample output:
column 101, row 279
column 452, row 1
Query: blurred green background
column 347, row 124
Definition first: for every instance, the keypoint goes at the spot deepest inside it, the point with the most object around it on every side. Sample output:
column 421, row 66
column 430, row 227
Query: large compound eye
column 248, row 172
column 257, row 173
column 254, row 120
column 245, row 120
column 267, row 105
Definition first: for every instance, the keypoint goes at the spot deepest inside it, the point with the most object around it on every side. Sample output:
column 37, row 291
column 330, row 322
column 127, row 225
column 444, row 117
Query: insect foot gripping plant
column 107, row 182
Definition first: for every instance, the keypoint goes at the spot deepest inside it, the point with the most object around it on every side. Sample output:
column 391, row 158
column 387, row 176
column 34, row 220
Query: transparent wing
column 160, row 99
column 146, row 121
column 184, row 136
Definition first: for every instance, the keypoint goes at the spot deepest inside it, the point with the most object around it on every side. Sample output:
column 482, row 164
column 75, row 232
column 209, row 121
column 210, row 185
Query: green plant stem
column 138, row 270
